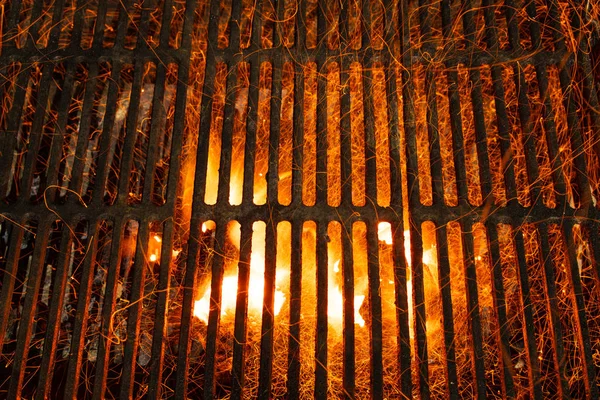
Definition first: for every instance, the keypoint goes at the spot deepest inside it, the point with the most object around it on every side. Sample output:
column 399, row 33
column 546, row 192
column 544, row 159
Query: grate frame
column 18, row 210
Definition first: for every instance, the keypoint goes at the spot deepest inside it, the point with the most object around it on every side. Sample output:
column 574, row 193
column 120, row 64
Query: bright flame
column 429, row 257
column 335, row 307
column 154, row 248
column 229, row 289
column 335, row 302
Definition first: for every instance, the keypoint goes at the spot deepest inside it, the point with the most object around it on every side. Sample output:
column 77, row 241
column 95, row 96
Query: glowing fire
column 154, row 247
column 256, row 285
column 229, row 289
column 335, row 306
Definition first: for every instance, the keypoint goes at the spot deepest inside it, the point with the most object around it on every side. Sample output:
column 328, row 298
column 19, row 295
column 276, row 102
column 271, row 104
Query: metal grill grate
column 295, row 199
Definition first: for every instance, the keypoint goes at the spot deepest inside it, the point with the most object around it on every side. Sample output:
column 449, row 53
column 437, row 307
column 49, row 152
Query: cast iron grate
column 214, row 199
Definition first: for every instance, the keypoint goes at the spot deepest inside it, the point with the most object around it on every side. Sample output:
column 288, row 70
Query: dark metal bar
column 160, row 319
column 475, row 58
column 268, row 315
column 502, row 117
column 558, row 175
column 435, row 157
column 12, row 21
column 534, row 26
column 392, row 106
column 56, row 307
column 124, row 6
column 83, row 132
column 59, row 131
column 503, row 335
column 458, row 148
column 158, row 112
column 109, row 118
column 241, row 313
column 372, row 195
column 99, row 25
column 197, row 207
column 255, row 62
column 528, row 134
column 583, row 334
column 216, row 273
column 229, row 113
column 76, row 33
column 36, row 132
column 13, row 123
column 298, row 134
column 446, row 293
column 416, row 246
column 512, row 24
column 33, row 31
column 131, row 132
column 321, row 344
column 181, row 99
column 81, row 316
column 419, row 313
column 293, row 383
column 402, row 304
column 530, row 344
column 348, row 313
column 106, row 330
column 346, row 199
column 375, row 306
column 553, row 310
column 25, row 335
column 136, row 301
column 473, row 304
column 369, row 111
column 322, row 132
column 318, row 212
column 480, row 128
column 10, row 277
column 293, row 373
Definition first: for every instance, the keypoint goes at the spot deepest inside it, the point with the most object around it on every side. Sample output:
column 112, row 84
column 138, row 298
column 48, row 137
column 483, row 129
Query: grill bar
column 53, row 319
column 473, row 304
column 444, row 279
column 25, row 334
column 501, row 309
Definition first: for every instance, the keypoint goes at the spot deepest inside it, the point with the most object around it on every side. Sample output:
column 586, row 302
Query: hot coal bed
column 294, row 199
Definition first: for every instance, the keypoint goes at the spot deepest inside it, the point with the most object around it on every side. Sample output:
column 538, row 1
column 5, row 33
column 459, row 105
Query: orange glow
column 335, row 307
column 385, row 232
column 335, row 303
column 256, row 287
column 154, row 248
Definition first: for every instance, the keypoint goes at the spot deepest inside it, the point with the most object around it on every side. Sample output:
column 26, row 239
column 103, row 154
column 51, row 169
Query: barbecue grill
column 293, row 199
